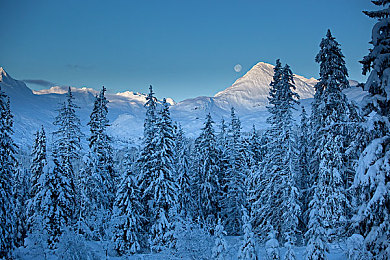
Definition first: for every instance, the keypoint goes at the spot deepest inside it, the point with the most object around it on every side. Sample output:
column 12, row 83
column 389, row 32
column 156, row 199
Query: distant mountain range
column 248, row 95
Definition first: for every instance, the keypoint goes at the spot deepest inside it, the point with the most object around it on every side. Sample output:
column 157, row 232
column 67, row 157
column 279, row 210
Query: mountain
column 248, row 95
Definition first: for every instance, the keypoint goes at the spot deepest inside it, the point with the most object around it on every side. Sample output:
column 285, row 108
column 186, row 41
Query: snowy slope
column 248, row 95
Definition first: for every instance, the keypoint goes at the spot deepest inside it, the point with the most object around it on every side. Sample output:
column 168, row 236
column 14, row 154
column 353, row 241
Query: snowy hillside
column 248, row 95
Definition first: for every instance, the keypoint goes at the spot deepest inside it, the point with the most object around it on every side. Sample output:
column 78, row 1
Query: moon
column 238, row 68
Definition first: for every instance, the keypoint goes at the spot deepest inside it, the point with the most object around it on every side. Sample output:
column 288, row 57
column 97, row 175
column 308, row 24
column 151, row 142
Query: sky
column 183, row 48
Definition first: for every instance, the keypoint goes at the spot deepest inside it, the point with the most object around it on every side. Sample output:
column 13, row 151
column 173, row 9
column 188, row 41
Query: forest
column 311, row 183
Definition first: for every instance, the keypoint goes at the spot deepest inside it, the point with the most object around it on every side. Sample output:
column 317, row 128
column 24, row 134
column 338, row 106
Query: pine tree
column 55, row 207
column 146, row 161
column 127, row 216
column 101, row 180
column 373, row 172
column 278, row 202
column 317, row 245
column 208, row 173
column 220, row 246
column 66, row 150
column 272, row 245
column 21, row 195
column 304, row 182
column 234, row 178
column 38, row 164
column 103, row 176
column 8, row 164
column 163, row 188
column 183, row 172
column 332, row 128
column 248, row 248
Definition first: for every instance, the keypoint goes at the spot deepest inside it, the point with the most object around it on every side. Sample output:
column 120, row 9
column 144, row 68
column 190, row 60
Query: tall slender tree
column 128, row 216
column 100, row 178
column 163, row 187
column 208, row 174
column 38, row 164
column 8, row 165
column 66, row 148
column 278, row 201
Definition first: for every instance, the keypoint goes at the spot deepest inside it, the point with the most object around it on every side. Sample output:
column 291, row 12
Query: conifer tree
column 235, row 178
column 146, row 161
column 208, row 173
column 55, row 208
column 248, row 248
column 183, row 172
column 21, row 195
column 103, row 176
column 100, row 178
column 163, row 188
column 278, row 201
column 66, row 150
column 127, row 216
column 220, row 246
column 332, row 128
column 38, row 164
column 8, row 164
column 372, row 176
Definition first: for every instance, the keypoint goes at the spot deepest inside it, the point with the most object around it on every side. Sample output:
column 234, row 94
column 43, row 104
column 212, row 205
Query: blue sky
column 183, row 48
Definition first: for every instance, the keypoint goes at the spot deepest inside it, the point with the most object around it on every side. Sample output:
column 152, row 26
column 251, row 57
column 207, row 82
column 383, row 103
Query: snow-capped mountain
column 248, row 95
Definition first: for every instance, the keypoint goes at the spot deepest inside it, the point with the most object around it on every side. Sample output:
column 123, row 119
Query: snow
column 248, row 95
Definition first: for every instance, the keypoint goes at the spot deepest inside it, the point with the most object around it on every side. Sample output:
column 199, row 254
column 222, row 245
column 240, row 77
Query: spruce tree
column 127, row 216
column 247, row 250
column 332, row 132
column 234, row 178
column 103, row 175
column 8, row 164
column 373, row 172
column 278, row 202
column 66, row 150
column 208, row 174
column 163, row 187
column 183, row 173
column 220, row 247
column 38, row 164
column 21, row 195
column 100, row 177
column 146, row 162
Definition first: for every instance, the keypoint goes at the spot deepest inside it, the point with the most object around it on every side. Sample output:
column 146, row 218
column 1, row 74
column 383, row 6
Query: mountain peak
column 251, row 90
column 3, row 74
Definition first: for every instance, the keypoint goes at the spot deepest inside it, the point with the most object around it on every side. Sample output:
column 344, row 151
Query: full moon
column 237, row 68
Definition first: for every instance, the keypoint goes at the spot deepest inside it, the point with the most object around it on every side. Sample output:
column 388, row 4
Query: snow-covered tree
column 304, row 181
column 372, row 178
column 333, row 126
column 316, row 235
column 234, row 178
column 66, row 150
column 278, row 202
column 7, row 172
column 98, row 179
column 247, row 250
column 208, row 173
column 57, row 203
column 163, row 187
column 272, row 246
column 220, row 247
column 102, row 182
column 183, row 173
column 127, row 216
column 21, row 195
column 145, row 162
column 38, row 163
